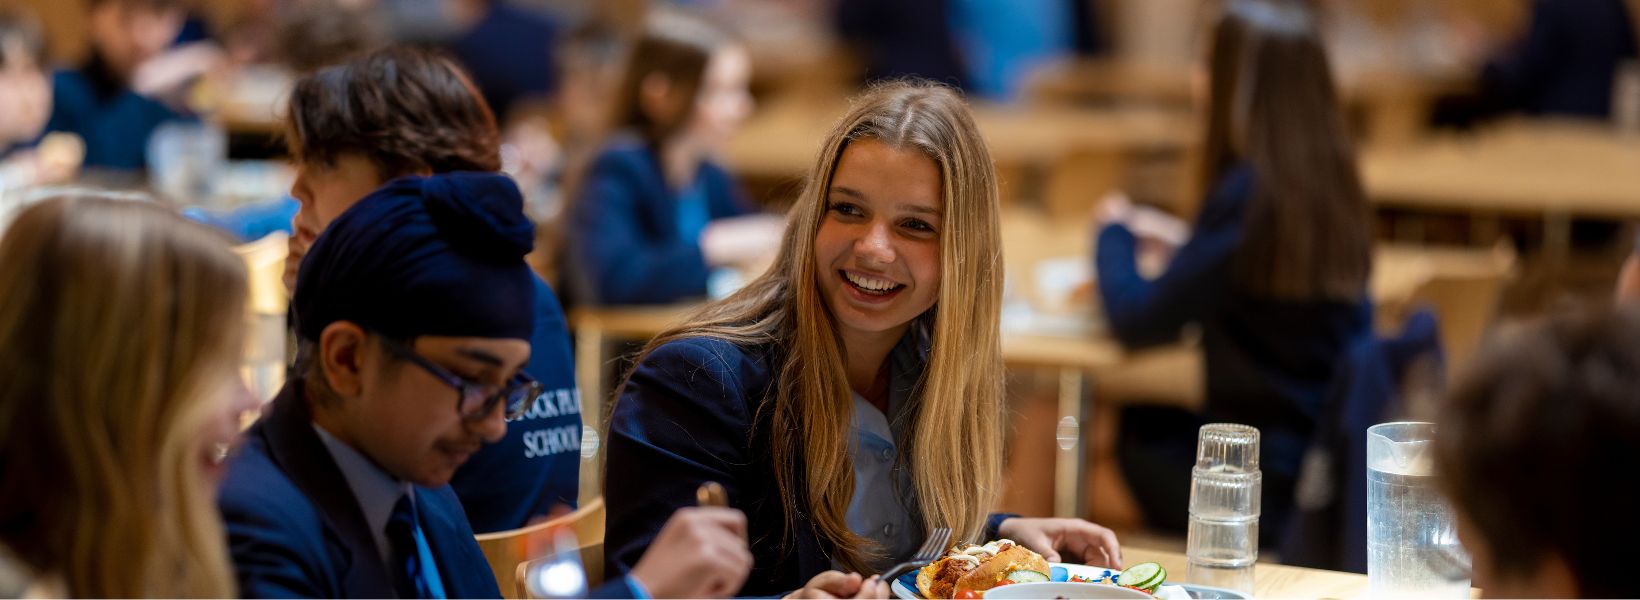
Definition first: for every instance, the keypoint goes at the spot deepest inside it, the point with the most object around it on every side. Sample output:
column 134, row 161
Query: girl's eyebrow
column 847, row 191
column 918, row 208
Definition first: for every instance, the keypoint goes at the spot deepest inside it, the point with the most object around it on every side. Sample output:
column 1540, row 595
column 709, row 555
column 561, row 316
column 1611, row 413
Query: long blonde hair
column 955, row 454
column 115, row 312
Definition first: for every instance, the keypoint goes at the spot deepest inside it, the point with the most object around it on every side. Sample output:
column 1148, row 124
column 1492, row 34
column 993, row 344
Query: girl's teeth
column 876, row 285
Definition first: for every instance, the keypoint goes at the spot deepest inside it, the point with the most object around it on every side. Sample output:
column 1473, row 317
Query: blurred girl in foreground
column 120, row 338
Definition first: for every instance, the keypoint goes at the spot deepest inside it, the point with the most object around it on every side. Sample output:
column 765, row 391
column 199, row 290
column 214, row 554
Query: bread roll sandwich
column 980, row 568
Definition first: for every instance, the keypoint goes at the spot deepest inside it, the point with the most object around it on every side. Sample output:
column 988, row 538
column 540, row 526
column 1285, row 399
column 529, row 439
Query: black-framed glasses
column 475, row 400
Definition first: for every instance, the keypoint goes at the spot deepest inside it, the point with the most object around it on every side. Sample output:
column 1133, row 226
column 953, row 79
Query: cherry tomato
column 967, row 595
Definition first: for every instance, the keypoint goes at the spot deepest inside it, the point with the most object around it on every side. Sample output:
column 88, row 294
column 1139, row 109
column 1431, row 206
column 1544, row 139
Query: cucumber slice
column 1026, row 576
column 1147, row 576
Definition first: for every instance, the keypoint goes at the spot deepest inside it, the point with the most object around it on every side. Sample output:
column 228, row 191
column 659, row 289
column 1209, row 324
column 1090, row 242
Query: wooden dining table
column 1554, row 170
column 1270, row 580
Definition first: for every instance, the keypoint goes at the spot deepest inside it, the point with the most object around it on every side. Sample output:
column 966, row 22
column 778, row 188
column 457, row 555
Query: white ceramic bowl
column 1061, row 589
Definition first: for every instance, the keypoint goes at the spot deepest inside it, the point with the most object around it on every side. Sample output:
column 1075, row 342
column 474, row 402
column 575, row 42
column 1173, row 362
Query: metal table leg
column 1070, row 474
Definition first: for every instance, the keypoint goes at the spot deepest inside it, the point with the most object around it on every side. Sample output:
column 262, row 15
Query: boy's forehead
column 489, row 352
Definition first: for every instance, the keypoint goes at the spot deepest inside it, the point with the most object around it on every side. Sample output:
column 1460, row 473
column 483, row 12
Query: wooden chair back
column 591, row 557
column 507, row 551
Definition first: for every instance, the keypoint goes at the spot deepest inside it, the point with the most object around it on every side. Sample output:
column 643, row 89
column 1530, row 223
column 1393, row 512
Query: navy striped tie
column 408, row 576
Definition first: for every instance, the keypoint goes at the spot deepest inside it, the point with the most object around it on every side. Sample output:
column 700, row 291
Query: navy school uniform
column 689, row 415
column 1568, row 60
column 509, row 55
column 114, row 121
column 1268, row 362
column 295, row 529
column 537, row 466
column 626, row 244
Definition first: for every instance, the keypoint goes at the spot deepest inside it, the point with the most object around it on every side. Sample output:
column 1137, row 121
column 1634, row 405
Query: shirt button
column 887, row 454
column 888, row 530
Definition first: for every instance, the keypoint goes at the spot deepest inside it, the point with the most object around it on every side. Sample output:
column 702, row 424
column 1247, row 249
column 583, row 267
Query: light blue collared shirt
column 376, row 491
column 883, row 506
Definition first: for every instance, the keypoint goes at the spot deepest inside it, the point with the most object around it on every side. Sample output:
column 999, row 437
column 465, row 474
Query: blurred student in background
column 119, row 344
column 427, row 118
column 133, row 81
column 651, row 218
column 849, row 398
column 25, row 104
column 1275, row 272
column 508, row 50
column 1549, row 406
column 1566, row 62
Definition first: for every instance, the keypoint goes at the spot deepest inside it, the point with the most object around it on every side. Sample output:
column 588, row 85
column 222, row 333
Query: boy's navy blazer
column 688, row 415
column 624, row 242
column 295, row 530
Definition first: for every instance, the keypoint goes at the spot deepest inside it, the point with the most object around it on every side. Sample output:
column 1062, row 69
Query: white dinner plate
column 905, row 587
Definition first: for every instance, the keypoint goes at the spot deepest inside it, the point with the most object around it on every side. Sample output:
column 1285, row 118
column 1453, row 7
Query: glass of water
column 1412, row 538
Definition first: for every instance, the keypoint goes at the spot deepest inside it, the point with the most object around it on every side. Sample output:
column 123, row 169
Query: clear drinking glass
column 1225, row 491
column 185, row 161
column 1412, row 539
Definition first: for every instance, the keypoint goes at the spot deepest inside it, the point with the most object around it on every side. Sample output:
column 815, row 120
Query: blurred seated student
column 1536, row 448
column 910, row 38
column 547, row 146
column 507, row 49
column 651, row 219
column 134, row 81
column 1275, row 271
column 1566, row 62
column 25, row 104
column 120, row 340
column 314, row 34
column 427, row 118
column 850, row 398
column 415, row 310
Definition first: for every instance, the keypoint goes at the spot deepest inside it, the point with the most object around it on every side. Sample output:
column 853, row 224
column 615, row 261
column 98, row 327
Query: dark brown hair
column 675, row 46
column 317, row 33
column 403, row 108
column 1273, row 108
column 20, row 27
column 1539, row 442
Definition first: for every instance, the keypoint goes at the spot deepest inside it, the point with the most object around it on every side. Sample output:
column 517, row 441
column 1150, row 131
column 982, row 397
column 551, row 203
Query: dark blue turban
column 440, row 255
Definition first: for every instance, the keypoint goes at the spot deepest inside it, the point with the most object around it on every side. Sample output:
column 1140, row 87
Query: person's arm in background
column 1145, row 312
column 1522, row 68
column 620, row 262
column 1628, row 279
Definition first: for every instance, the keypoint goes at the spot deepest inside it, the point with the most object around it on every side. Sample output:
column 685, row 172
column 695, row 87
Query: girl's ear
column 655, row 98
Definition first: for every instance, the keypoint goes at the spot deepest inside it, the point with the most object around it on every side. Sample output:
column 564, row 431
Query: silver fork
column 931, row 550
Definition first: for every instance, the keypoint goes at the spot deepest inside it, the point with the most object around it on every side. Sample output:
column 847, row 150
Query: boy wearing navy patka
column 414, row 312
column 414, row 309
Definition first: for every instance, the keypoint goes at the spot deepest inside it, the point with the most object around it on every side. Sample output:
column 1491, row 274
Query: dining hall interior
column 819, row 298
